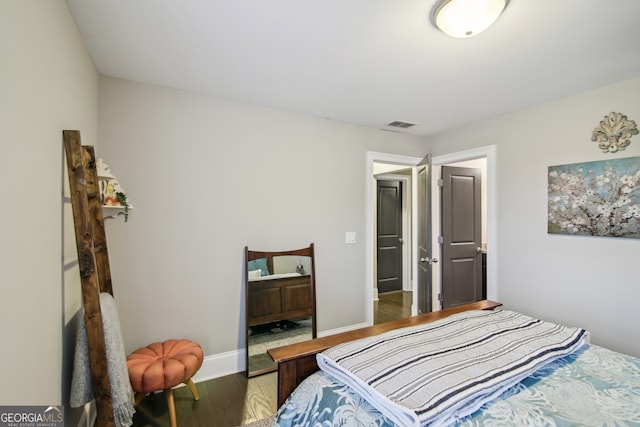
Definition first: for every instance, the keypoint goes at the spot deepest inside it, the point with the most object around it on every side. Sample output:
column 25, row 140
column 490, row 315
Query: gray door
column 389, row 239
column 461, row 236
column 425, row 260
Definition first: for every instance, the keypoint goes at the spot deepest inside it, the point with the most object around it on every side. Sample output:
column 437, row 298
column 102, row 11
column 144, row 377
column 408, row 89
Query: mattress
column 592, row 387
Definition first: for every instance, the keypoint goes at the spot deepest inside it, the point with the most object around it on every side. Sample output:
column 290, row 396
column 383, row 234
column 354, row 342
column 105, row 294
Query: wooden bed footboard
column 297, row 361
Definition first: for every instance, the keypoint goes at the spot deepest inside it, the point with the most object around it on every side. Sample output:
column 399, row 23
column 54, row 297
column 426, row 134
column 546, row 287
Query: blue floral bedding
column 593, row 387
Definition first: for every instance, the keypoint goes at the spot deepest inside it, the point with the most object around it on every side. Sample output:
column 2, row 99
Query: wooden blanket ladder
column 93, row 263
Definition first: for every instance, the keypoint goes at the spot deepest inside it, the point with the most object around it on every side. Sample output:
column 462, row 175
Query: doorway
column 389, row 235
column 392, row 294
column 487, row 153
column 386, row 172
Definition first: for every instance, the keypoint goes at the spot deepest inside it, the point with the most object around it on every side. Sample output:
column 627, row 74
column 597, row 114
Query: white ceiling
column 367, row 62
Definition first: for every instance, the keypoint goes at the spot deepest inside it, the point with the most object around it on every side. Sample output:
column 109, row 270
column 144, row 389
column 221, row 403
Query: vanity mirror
column 280, row 303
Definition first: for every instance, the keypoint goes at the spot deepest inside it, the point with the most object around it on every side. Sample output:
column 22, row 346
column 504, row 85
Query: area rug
column 259, row 344
column 266, row 422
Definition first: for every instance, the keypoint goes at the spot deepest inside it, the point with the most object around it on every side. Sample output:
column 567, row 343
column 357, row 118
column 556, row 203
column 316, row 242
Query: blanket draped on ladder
column 81, row 385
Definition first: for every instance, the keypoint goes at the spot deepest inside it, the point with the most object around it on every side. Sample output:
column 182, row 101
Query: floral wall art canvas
column 596, row 198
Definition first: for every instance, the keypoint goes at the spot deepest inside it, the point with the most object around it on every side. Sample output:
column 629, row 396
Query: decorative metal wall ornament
column 614, row 132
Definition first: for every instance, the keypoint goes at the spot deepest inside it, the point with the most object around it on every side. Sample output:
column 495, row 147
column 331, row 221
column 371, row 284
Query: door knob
column 429, row 260
column 478, row 249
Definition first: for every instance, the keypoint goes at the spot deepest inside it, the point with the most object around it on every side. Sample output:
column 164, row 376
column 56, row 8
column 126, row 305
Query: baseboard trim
column 219, row 365
column 342, row 329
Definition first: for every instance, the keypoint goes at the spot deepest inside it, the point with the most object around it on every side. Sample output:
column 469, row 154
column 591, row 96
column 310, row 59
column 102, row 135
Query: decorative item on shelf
column 112, row 195
column 122, row 198
column 614, row 132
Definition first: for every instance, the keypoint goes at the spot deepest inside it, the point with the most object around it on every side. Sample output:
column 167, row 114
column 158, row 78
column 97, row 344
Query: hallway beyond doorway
column 392, row 306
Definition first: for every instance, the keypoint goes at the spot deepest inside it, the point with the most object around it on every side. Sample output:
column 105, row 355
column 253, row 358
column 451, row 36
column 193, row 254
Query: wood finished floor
column 392, row 306
column 234, row 400
column 227, row 401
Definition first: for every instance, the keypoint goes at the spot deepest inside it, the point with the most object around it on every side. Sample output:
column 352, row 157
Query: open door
column 425, row 259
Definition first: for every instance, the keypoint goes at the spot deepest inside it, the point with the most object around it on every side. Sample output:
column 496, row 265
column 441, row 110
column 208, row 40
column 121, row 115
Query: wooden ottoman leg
column 172, row 407
column 138, row 398
column 193, row 389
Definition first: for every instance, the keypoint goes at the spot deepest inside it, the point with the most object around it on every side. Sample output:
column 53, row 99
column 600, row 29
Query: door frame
column 488, row 152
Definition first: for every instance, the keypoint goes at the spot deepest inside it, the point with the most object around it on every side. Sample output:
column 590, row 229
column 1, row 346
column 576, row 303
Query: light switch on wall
column 350, row 237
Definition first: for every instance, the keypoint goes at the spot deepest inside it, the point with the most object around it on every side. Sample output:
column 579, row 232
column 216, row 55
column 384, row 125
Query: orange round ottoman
column 162, row 366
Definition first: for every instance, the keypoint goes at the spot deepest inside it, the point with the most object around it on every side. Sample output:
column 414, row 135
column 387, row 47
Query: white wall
column 48, row 83
column 587, row 281
column 209, row 176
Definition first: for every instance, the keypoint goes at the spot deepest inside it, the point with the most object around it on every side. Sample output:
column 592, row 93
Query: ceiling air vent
column 399, row 124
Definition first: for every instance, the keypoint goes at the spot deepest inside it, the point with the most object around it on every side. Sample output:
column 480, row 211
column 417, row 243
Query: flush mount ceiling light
column 466, row 18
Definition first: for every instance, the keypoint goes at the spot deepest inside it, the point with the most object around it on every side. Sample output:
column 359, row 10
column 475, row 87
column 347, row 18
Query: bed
column 582, row 384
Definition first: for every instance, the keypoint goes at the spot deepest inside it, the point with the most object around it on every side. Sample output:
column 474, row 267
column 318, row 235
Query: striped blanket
column 436, row 373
